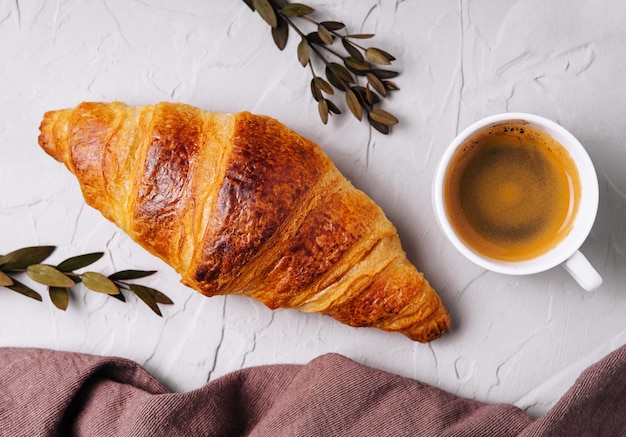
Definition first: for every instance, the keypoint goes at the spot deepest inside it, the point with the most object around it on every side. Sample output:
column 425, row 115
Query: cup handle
column 581, row 269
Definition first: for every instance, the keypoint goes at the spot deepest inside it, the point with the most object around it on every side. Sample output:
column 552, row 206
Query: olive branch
column 60, row 278
column 357, row 62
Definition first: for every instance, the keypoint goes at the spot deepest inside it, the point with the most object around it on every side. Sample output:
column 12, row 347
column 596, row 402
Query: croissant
column 240, row 204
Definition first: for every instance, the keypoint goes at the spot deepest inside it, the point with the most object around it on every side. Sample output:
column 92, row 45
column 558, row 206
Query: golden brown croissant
column 240, row 204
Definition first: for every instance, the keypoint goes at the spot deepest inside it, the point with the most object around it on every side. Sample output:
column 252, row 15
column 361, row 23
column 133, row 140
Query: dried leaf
column 354, row 105
column 5, row 280
column 372, row 98
column 385, row 74
column 380, row 127
column 324, row 34
column 341, row 72
column 266, row 11
column 314, row 38
column 378, row 56
column 304, row 52
column 119, row 296
column 333, row 25
column 316, row 91
column 161, row 298
column 60, row 297
column 352, row 50
column 360, row 35
column 361, row 93
column 49, row 275
column 334, row 79
column 24, row 290
column 280, row 33
column 297, row 10
column 332, row 107
column 388, row 55
column 377, row 84
column 124, row 275
column 323, row 85
column 279, row 4
column 78, row 262
column 322, row 108
column 146, row 296
column 21, row 258
column 98, row 282
column 383, row 117
column 390, row 85
column 158, row 296
column 356, row 66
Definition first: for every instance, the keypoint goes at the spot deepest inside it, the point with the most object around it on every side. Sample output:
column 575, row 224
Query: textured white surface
column 520, row 340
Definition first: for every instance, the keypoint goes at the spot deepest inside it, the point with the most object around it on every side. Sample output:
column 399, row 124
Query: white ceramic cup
column 565, row 253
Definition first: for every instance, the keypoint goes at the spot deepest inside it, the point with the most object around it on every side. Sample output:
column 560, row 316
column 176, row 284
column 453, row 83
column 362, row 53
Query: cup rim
column 587, row 209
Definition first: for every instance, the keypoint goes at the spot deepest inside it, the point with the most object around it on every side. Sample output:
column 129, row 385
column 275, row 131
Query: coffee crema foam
column 511, row 192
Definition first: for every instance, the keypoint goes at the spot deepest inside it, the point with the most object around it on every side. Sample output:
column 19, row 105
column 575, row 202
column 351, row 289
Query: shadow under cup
column 516, row 194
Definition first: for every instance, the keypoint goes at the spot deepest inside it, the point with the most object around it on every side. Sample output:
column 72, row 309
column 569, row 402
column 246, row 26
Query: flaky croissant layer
column 240, row 204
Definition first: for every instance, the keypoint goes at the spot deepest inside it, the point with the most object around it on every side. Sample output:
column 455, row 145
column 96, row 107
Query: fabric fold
column 48, row 393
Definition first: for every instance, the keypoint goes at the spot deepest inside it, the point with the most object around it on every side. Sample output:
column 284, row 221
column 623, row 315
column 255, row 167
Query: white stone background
column 520, row 340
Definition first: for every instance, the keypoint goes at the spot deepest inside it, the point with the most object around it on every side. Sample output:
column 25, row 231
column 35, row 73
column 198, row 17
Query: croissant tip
column 53, row 127
column 438, row 324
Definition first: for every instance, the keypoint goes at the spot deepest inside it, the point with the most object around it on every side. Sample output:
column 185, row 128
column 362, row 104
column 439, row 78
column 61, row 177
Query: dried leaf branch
column 61, row 278
column 356, row 62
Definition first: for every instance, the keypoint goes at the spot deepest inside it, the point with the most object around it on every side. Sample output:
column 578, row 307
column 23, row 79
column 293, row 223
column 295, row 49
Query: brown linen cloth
column 45, row 393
